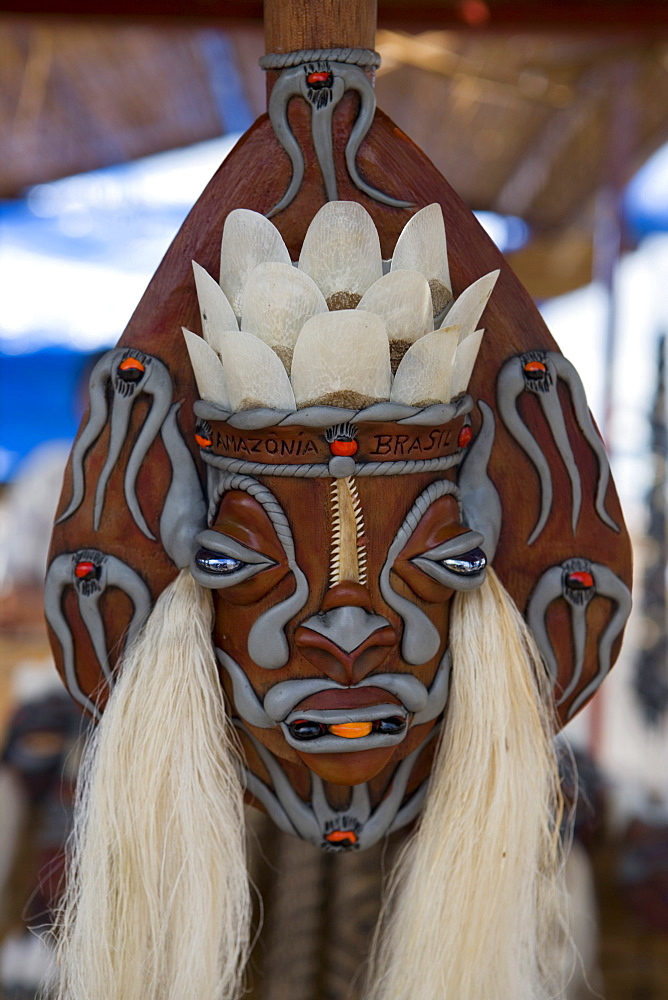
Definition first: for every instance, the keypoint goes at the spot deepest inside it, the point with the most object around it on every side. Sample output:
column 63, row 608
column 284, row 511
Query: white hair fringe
column 474, row 903
column 157, row 905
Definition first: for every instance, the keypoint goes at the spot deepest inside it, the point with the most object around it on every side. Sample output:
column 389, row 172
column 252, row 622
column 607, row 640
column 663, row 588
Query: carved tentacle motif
column 322, row 84
column 578, row 582
column 538, row 372
column 130, row 373
column 91, row 572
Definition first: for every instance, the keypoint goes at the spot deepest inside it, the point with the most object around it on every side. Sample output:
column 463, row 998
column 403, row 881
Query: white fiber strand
column 472, row 909
column 157, row 905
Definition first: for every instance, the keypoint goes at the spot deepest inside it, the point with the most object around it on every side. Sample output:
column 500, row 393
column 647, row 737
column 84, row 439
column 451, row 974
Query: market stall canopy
column 527, row 124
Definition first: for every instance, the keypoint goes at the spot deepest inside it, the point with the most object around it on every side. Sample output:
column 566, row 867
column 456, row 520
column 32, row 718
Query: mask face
column 332, row 602
column 351, row 488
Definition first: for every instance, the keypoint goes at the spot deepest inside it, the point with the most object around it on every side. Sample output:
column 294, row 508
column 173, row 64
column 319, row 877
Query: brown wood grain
column 302, row 24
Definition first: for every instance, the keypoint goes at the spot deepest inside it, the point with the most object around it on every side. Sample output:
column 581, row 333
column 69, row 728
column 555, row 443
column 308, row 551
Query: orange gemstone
column 84, row 569
column 344, row 447
column 338, row 836
column 581, row 580
column 131, row 364
column 351, row 730
column 465, row 436
column 318, row 77
column 535, row 366
column 202, row 441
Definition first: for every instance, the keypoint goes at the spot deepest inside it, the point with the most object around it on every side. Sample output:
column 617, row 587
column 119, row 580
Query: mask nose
column 346, row 640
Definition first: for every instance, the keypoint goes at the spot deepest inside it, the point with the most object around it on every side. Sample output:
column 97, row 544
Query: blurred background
column 550, row 121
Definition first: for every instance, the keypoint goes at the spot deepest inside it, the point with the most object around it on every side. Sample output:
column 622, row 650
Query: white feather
column 208, row 370
column 344, row 351
column 248, row 240
column 425, row 372
column 341, row 250
column 403, row 301
column 468, row 308
column 214, row 307
column 277, row 301
column 254, row 375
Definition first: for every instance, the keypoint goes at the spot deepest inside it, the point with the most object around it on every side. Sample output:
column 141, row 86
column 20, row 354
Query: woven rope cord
column 259, row 492
column 286, row 60
column 321, row 471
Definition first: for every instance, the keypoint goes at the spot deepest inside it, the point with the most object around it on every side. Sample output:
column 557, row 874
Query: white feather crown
column 342, row 328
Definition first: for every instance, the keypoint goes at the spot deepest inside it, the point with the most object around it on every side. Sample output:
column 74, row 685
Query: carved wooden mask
column 334, row 503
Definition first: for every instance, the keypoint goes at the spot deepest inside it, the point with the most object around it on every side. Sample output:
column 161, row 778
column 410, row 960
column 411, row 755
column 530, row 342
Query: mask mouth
column 346, row 730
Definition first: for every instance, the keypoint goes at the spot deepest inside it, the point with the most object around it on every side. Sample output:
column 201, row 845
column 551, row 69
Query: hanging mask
column 351, row 487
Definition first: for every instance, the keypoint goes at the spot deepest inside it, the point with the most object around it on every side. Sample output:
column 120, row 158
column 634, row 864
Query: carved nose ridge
column 346, row 643
column 347, row 627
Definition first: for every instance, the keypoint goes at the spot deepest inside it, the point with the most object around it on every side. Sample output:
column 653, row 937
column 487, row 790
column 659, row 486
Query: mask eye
column 467, row 563
column 458, row 563
column 222, row 561
column 217, row 563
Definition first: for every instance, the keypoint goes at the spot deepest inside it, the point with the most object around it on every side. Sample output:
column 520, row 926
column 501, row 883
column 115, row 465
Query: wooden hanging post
column 301, row 24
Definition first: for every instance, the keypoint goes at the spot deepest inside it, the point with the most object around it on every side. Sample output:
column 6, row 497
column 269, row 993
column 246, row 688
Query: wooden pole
column 319, row 24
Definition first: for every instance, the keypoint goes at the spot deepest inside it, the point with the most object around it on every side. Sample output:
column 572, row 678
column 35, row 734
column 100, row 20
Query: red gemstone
column 535, row 366
column 84, row 569
column 341, row 836
column 581, row 580
column 465, row 436
column 131, row 364
column 318, row 77
column 344, row 447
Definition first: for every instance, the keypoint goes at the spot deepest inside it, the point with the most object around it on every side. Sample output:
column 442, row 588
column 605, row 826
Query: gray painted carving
column 331, row 470
column 107, row 571
column 348, row 627
column 323, row 98
column 247, row 702
column 319, row 416
column 267, row 644
column 554, row 584
column 437, row 563
column 154, row 381
column 438, row 693
column 281, row 700
column 341, row 466
column 330, row 743
column 323, row 416
column 184, row 511
column 512, row 381
column 257, row 418
column 316, row 820
column 421, row 639
column 481, row 506
column 215, row 541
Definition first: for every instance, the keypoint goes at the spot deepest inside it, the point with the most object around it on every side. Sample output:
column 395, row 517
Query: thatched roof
column 524, row 124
